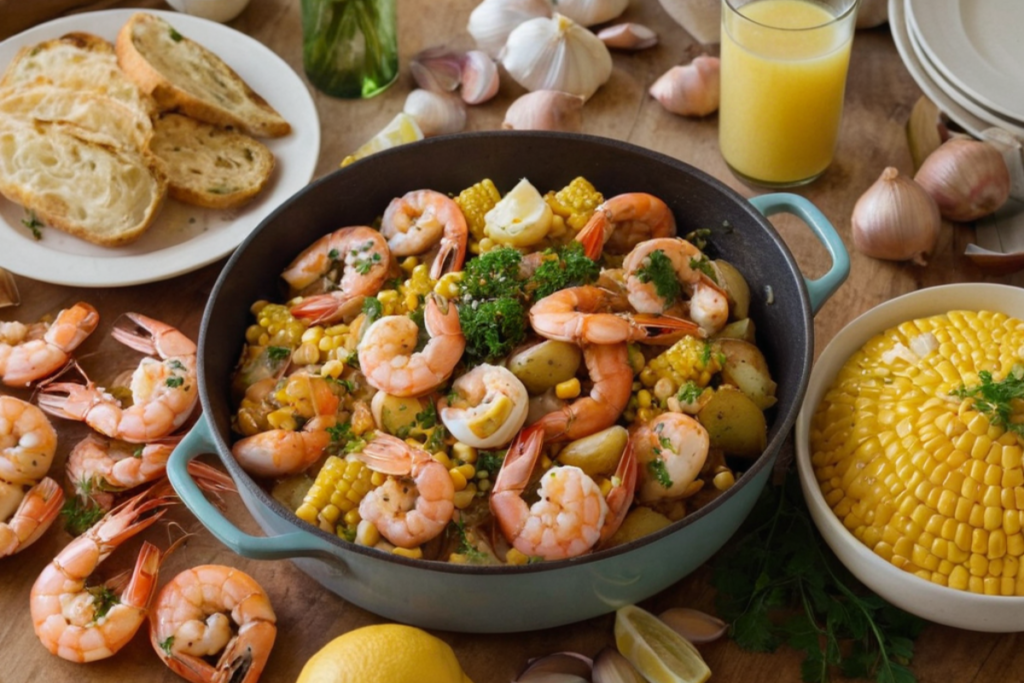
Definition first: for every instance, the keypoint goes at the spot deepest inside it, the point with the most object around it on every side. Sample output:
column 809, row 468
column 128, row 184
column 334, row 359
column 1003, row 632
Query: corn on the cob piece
column 475, row 202
column 575, row 202
column 332, row 502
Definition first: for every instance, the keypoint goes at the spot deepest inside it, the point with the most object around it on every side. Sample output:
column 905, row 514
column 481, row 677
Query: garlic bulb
column 590, row 12
column 690, row 90
column 436, row 113
column 557, row 54
column 437, row 69
column 479, row 77
column 895, row 219
column 546, row 110
column 872, row 13
column 628, row 36
column 967, row 178
column 492, row 20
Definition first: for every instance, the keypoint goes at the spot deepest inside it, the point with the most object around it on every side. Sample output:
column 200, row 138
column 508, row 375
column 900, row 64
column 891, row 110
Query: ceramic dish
column 183, row 238
column 930, row 601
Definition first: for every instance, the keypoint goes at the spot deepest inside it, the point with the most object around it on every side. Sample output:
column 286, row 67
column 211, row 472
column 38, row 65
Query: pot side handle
column 284, row 546
column 784, row 202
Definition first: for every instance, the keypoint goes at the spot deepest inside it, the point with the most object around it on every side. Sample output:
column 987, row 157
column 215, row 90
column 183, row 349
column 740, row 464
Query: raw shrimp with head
column 341, row 268
column 422, row 220
column 213, row 611
column 32, row 352
column 624, row 221
column 572, row 516
column 164, row 389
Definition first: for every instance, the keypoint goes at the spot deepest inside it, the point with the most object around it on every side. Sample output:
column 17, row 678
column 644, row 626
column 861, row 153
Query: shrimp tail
column 210, row 479
column 592, row 235
column 34, row 515
column 654, row 327
column 318, row 308
column 620, row 498
column 67, row 399
column 72, row 326
column 386, row 454
column 246, row 655
column 520, row 460
column 449, row 259
column 140, row 589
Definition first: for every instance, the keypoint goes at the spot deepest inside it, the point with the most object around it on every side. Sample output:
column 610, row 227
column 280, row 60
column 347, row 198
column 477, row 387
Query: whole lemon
column 384, row 653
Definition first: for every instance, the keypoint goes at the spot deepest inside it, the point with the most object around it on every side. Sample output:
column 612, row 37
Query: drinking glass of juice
column 783, row 69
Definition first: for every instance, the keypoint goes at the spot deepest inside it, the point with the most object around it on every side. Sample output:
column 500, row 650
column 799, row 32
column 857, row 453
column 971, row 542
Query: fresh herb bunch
column 995, row 398
column 780, row 584
column 570, row 268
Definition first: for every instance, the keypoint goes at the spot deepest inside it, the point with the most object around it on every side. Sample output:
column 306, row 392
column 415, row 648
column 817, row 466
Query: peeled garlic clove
column 690, row 90
column 546, row 110
column 612, row 667
column 437, row 69
column 560, row 667
column 590, row 12
column 492, row 21
column 628, row 36
column 436, row 113
column 694, row 625
column 896, row 219
column 557, row 54
column 967, row 178
column 9, row 295
column 479, row 77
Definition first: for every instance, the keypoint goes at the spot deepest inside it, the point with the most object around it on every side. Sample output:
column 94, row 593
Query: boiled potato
column 736, row 289
column 640, row 522
column 292, row 489
column 738, row 329
column 734, row 423
column 542, row 366
column 394, row 414
column 746, row 369
column 598, row 453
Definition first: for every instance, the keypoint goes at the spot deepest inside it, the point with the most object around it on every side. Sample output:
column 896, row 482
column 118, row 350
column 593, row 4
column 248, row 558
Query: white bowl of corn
column 909, row 449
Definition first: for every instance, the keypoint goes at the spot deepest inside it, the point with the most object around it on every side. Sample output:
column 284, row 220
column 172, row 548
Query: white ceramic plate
column 930, row 601
column 183, row 238
column 977, row 45
column 897, row 23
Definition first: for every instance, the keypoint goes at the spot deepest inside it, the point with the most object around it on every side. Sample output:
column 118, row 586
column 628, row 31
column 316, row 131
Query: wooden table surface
column 880, row 94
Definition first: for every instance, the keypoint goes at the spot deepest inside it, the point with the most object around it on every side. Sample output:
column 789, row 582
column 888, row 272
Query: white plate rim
column 73, row 262
column 944, row 40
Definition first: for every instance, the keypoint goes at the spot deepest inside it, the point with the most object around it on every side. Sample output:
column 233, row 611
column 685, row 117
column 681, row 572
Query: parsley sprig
column 780, row 584
column 994, row 398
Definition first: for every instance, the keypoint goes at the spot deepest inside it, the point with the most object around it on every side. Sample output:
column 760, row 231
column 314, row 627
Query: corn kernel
column 458, row 478
column 464, row 452
column 367, row 534
column 723, row 481
column 516, row 557
column 464, row 498
column 568, row 389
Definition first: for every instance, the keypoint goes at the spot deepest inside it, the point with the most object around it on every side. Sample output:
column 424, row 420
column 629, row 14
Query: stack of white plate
column 967, row 57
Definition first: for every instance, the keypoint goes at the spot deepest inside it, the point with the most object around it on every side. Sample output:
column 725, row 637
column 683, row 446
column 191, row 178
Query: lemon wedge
column 400, row 130
column 522, row 217
column 656, row 650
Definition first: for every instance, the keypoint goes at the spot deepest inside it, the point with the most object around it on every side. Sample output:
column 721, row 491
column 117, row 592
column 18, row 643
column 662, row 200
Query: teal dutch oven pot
column 505, row 599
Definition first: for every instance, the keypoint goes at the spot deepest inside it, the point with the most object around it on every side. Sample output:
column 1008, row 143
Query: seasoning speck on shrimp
column 31, row 352
column 419, row 221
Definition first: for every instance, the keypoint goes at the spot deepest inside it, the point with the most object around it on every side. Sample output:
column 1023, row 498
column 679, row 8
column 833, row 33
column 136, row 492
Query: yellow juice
column 784, row 66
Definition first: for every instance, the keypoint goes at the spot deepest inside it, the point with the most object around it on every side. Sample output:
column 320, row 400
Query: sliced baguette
column 76, row 61
column 210, row 166
column 73, row 181
column 182, row 74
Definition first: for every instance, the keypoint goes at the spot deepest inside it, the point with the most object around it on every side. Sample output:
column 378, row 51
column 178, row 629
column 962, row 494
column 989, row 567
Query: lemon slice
column 400, row 130
column 657, row 651
column 522, row 217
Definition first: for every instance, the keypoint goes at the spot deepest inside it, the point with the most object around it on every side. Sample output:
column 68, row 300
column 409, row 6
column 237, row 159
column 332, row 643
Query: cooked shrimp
column 416, row 502
column 33, row 515
column 348, row 264
column 571, row 517
column 421, row 220
column 624, row 221
column 164, row 391
column 577, row 314
column 189, row 623
column 32, row 352
column 388, row 356
column 680, row 276
column 671, row 451
column 279, row 452
column 27, row 442
column 82, row 623
column 488, row 407
column 612, row 379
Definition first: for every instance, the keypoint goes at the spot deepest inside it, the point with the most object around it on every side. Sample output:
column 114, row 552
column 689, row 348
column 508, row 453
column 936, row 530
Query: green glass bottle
column 350, row 47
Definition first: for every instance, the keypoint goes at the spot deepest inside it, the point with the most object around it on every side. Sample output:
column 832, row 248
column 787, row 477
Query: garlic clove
column 557, row 54
column 694, row 625
column 926, row 130
column 479, row 77
column 690, row 90
column 437, row 69
column 546, row 110
column 628, row 36
column 967, row 178
column 560, row 667
column 491, row 22
column 591, row 12
column 895, row 219
column 611, row 667
column 436, row 113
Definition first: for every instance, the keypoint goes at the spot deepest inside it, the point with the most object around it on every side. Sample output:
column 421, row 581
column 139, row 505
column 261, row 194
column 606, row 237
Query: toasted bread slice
column 76, row 61
column 182, row 74
column 210, row 166
column 73, row 181
column 119, row 124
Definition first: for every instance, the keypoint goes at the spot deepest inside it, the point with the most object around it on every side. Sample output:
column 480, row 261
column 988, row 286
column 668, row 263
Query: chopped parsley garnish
column 363, row 267
column 333, row 254
column 278, row 353
column 373, row 309
column 33, row 224
column 137, row 451
column 494, row 275
column 492, row 328
column 658, row 471
column 690, row 392
column 570, row 268
column 176, row 37
column 80, row 515
column 167, row 644
column 704, row 265
column 427, row 417
column 175, row 364
column 994, row 398
column 705, row 354
column 174, row 382
column 465, row 548
column 659, row 271
column 490, row 462
column 699, row 237
column 343, row 440
column 104, row 599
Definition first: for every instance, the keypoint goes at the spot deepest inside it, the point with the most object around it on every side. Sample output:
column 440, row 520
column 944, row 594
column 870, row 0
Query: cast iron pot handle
column 825, row 286
column 282, row 547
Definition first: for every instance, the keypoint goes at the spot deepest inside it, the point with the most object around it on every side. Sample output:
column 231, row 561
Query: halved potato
column 736, row 289
column 746, row 369
column 598, row 453
column 734, row 423
column 542, row 366
column 738, row 329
